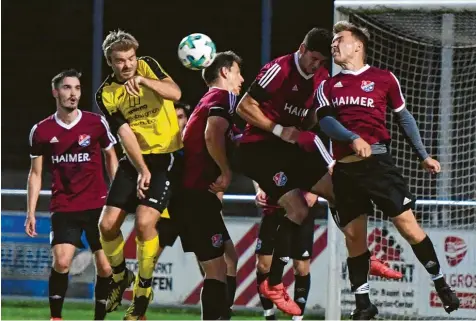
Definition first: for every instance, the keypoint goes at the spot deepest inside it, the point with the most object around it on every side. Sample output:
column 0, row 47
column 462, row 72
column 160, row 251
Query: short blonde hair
column 362, row 34
column 118, row 40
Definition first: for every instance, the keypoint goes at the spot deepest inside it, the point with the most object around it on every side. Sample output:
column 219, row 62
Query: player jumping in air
column 358, row 97
column 70, row 142
column 137, row 100
column 207, row 141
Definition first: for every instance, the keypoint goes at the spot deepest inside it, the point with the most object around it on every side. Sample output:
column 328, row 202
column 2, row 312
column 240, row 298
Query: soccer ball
column 197, row 51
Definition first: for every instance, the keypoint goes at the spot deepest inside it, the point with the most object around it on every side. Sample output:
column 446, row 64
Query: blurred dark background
column 41, row 38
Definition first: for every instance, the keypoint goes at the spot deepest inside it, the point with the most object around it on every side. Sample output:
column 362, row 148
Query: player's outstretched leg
column 103, row 281
column 58, row 281
column 425, row 252
column 296, row 208
column 112, row 243
column 302, row 284
column 262, row 273
column 147, row 246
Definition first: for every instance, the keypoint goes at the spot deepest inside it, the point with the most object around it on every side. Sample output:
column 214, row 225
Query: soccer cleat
column 117, row 289
column 382, row 269
column 56, row 319
column 280, row 297
column 138, row 307
column 365, row 314
column 448, row 298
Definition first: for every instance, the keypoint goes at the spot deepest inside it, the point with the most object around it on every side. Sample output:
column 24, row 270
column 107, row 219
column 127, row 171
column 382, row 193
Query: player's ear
column 302, row 49
column 224, row 72
column 54, row 92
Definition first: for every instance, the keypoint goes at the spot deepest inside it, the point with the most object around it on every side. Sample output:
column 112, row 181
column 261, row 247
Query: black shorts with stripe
column 279, row 167
column 123, row 192
column 374, row 180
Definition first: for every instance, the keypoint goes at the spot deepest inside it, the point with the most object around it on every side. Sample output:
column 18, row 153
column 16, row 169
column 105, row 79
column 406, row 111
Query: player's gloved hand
column 431, row 165
column 143, row 182
column 30, row 226
column 261, row 198
column 221, row 183
column 361, row 147
column 132, row 85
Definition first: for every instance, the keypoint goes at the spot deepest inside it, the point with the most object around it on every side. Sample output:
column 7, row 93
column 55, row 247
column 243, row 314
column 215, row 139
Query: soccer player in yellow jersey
column 137, row 100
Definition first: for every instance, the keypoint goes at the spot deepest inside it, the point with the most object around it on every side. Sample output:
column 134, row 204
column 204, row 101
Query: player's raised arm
column 34, row 182
column 267, row 82
column 157, row 80
column 409, row 126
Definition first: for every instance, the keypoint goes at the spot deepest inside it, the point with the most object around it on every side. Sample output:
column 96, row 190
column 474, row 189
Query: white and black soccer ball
column 197, row 51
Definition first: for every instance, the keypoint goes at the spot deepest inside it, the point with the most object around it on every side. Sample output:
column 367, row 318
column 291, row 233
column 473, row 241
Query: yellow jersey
column 151, row 117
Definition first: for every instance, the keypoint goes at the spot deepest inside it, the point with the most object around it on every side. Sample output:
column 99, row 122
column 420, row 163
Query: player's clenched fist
column 132, row 85
column 30, row 226
column 361, row 147
column 431, row 165
column 290, row 134
column 143, row 182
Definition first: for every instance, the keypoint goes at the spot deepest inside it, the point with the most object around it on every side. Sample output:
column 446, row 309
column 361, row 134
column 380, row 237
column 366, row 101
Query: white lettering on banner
column 71, row 158
column 350, row 100
column 296, row 111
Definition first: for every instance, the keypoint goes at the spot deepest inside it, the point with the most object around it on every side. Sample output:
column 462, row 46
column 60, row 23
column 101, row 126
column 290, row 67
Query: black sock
column 231, row 287
column 214, row 299
column 359, row 267
column 302, row 286
column 282, row 250
column 425, row 253
column 120, row 268
column 265, row 302
column 58, row 284
column 101, row 291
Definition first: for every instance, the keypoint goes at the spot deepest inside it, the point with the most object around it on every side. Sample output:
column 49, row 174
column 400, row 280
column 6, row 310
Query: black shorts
column 123, row 192
column 168, row 228
column 279, row 167
column 67, row 228
column 201, row 225
column 377, row 180
column 302, row 242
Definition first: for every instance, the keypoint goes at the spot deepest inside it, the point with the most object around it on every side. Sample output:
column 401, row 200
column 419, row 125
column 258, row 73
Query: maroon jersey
column 73, row 152
column 200, row 168
column 360, row 99
column 285, row 94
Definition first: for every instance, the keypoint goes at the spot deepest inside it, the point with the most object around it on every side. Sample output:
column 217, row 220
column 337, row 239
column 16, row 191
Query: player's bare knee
column 263, row 264
column 110, row 222
column 146, row 220
column 231, row 257
column 61, row 263
column 408, row 227
column 301, row 267
column 215, row 268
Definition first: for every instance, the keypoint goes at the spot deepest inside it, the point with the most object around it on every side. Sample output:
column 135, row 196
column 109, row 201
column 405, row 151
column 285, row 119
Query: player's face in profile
column 234, row 78
column 182, row 119
column 68, row 93
column 344, row 46
column 124, row 64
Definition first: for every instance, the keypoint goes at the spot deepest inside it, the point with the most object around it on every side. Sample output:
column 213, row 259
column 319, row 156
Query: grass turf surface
column 39, row 310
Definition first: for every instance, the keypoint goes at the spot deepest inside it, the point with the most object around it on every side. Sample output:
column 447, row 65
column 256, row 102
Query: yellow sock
column 146, row 255
column 115, row 255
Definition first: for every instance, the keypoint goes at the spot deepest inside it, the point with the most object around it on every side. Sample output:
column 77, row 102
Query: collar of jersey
column 301, row 72
column 356, row 72
column 70, row 125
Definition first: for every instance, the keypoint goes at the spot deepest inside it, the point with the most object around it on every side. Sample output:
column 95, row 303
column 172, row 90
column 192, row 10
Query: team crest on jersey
column 367, row 86
column 84, row 140
column 280, row 179
column 217, row 240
